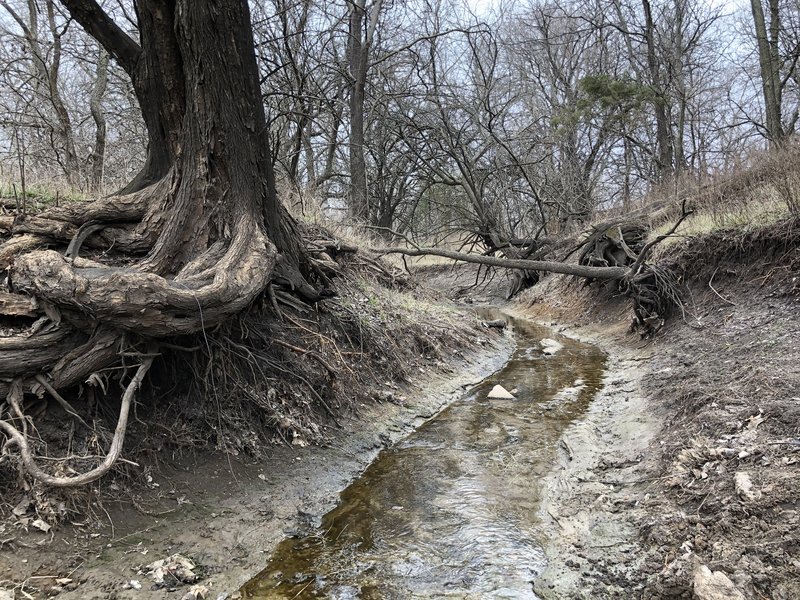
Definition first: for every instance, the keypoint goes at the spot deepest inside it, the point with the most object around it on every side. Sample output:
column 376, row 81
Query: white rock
column 744, row 486
column 550, row 347
column 714, row 586
column 500, row 393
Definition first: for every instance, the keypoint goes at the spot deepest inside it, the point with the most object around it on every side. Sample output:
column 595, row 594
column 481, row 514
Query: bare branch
column 610, row 273
column 102, row 27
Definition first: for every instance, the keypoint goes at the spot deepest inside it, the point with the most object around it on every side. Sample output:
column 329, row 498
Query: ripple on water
column 451, row 511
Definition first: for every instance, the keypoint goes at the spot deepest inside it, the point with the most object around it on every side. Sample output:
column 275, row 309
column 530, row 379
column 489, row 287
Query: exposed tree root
column 20, row 440
column 616, row 244
column 147, row 303
column 82, row 308
column 654, row 292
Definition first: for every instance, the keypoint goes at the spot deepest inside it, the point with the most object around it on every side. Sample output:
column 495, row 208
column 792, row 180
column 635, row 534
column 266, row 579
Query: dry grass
column 40, row 195
column 755, row 195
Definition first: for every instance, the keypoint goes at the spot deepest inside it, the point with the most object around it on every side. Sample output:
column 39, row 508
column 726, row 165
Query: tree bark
column 665, row 167
column 99, row 88
column 204, row 209
column 769, row 64
column 361, row 34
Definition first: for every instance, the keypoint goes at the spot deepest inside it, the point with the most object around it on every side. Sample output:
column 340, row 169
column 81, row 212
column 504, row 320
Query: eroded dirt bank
column 227, row 515
column 682, row 481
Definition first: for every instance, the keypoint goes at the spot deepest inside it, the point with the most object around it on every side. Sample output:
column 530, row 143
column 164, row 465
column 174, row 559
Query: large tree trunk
column 204, row 212
column 359, row 42
column 665, row 168
column 769, row 64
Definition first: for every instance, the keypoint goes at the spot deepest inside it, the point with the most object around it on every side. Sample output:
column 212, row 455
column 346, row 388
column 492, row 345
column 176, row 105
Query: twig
column 397, row 234
column 649, row 245
column 60, row 399
column 566, row 447
column 720, row 296
column 308, row 351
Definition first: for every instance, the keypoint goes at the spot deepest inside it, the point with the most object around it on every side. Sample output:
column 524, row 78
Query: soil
column 652, row 490
column 688, row 458
column 645, row 495
column 223, row 513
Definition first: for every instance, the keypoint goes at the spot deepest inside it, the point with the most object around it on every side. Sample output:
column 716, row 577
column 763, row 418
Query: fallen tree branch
column 396, row 234
column 514, row 263
column 29, row 462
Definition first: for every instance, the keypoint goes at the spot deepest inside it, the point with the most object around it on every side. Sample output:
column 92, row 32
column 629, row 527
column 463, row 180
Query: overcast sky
column 479, row 6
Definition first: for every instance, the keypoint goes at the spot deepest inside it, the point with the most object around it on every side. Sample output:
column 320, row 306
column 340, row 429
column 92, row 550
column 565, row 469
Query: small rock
column 41, row 525
column 550, row 347
column 744, row 487
column 497, row 324
column 500, row 393
column 714, row 586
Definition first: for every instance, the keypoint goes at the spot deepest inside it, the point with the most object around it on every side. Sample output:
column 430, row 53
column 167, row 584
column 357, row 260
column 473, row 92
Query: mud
column 450, row 511
column 225, row 514
column 650, row 505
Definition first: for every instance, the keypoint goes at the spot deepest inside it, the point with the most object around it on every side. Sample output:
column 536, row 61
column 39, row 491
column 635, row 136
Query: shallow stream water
column 452, row 510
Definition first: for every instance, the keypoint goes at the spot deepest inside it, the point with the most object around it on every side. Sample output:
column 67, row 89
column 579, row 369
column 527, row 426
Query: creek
column 451, row 511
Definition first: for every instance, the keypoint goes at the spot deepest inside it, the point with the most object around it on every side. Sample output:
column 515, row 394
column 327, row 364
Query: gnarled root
column 202, row 295
column 20, row 440
column 655, row 294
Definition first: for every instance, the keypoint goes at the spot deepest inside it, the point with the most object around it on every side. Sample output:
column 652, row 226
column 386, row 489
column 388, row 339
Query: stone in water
column 500, row 393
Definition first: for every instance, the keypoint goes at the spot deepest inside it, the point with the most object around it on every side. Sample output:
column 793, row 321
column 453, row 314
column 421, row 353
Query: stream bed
column 452, row 510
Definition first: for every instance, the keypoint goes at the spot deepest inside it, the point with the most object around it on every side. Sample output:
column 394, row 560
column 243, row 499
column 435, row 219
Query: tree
column 203, row 211
column 778, row 55
column 99, row 151
column 363, row 22
column 45, row 65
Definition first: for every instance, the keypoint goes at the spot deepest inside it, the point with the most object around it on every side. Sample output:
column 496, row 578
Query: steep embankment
column 682, row 480
column 347, row 379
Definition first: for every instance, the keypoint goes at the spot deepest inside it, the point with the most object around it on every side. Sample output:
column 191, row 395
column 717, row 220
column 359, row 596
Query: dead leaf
column 41, row 525
column 755, row 421
column 22, row 507
column 196, row 592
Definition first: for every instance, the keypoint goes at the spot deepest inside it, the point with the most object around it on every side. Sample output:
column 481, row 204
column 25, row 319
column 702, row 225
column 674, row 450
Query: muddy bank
column 451, row 511
column 225, row 514
column 602, row 472
column 683, row 477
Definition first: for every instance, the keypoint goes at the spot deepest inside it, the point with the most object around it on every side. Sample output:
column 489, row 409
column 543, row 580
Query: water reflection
column 450, row 512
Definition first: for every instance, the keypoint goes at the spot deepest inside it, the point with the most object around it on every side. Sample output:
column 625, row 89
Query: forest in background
column 517, row 121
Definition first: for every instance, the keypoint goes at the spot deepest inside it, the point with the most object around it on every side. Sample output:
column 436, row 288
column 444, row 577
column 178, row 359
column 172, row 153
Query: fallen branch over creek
column 607, row 256
column 606, row 273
